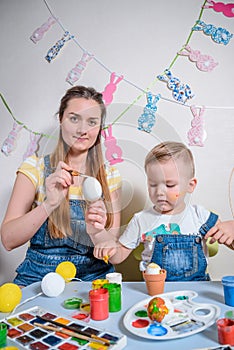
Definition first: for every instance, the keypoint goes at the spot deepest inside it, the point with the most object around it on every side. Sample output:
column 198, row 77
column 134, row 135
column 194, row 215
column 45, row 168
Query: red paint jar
column 225, row 331
column 99, row 304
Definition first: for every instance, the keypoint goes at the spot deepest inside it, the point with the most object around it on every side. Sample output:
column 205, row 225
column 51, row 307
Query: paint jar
column 229, row 314
column 225, row 331
column 114, row 277
column 114, row 290
column 99, row 304
column 3, row 335
column 228, row 288
column 72, row 303
column 96, row 284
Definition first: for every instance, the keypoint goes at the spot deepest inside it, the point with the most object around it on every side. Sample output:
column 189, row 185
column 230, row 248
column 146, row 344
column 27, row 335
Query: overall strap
column 211, row 221
column 48, row 170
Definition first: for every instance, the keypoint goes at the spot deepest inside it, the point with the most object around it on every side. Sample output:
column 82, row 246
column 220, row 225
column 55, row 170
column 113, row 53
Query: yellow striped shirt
column 33, row 168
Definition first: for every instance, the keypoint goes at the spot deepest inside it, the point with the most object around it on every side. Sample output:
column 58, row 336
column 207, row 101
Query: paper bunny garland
column 110, row 88
column 219, row 35
column 180, row 91
column 147, row 119
column 54, row 50
column 33, row 145
column 226, row 9
column 205, row 63
column 75, row 73
column 39, row 32
column 113, row 152
column 197, row 134
column 10, row 142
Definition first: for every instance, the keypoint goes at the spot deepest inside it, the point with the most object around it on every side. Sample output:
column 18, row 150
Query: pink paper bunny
column 10, row 143
column 226, row 9
column 205, row 63
column 110, row 88
column 76, row 72
column 39, row 32
column 33, row 145
column 197, row 134
column 113, row 152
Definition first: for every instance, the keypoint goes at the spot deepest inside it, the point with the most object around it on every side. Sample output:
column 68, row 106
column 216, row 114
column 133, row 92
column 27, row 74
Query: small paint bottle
column 114, row 277
column 225, row 328
column 99, row 307
column 114, row 290
column 3, row 335
column 96, row 284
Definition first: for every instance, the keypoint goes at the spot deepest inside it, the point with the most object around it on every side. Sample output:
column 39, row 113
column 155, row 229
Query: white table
column 133, row 292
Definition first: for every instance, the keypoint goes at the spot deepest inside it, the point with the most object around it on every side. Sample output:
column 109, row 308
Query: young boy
column 172, row 230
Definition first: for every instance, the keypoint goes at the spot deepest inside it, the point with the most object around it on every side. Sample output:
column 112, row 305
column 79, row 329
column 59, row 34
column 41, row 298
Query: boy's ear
column 192, row 184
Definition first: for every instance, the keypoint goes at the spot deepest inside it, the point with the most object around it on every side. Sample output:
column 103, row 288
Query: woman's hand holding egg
column 95, row 217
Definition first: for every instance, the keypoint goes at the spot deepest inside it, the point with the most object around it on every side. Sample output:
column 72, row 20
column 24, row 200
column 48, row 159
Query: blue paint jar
column 228, row 288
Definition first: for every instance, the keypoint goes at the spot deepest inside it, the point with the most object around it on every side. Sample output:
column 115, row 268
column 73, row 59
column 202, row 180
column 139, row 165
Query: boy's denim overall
column 45, row 253
column 182, row 256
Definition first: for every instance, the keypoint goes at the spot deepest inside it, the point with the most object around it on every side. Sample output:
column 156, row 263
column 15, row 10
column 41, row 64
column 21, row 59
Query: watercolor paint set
column 184, row 318
column 39, row 329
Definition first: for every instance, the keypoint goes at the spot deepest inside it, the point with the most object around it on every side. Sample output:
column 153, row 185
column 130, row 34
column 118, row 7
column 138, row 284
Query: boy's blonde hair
column 169, row 149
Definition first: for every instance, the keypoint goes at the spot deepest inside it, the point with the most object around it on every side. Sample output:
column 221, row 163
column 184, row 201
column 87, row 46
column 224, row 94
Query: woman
column 46, row 206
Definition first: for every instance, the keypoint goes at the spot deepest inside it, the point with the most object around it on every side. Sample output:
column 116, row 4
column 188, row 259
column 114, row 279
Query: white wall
column 138, row 39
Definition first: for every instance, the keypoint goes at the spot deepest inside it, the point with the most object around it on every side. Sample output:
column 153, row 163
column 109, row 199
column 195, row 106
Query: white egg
column 92, row 189
column 52, row 284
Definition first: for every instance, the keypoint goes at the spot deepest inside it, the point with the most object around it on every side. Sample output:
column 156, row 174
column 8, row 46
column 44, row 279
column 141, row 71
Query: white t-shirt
column 146, row 224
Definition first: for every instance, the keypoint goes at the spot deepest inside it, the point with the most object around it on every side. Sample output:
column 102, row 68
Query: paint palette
column 37, row 329
column 185, row 317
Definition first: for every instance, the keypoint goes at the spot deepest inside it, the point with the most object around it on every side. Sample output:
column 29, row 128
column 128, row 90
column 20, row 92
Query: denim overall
column 45, row 253
column 182, row 256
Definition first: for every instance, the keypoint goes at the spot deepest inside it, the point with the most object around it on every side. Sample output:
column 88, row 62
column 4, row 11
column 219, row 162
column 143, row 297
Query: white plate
column 184, row 319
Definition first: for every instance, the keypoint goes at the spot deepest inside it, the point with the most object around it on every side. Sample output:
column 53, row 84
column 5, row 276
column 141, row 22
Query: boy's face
column 168, row 183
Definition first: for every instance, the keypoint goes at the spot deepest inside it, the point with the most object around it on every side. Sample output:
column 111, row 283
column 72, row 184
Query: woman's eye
column 73, row 119
column 92, row 122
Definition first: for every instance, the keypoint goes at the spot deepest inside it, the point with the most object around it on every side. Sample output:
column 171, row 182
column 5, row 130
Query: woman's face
column 80, row 124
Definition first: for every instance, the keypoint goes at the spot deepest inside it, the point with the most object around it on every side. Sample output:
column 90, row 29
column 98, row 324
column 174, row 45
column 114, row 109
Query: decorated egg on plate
column 157, row 309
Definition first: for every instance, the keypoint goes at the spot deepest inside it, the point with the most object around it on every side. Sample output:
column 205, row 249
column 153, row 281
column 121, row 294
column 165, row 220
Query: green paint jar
column 3, row 335
column 114, row 290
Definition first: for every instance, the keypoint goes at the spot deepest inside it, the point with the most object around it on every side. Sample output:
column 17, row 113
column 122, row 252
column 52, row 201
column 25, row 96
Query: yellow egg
column 67, row 270
column 212, row 247
column 10, row 296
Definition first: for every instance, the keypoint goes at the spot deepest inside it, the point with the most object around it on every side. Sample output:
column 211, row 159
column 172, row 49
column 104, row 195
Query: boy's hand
column 105, row 250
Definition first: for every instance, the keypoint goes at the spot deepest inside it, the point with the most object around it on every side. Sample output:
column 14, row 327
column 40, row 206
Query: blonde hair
column 59, row 220
column 168, row 150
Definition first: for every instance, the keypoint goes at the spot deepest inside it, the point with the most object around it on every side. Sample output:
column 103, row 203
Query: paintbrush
column 74, row 173
column 77, row 173
column 74, row 329
column 64, row 331
column 72, row 333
